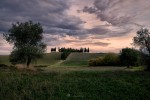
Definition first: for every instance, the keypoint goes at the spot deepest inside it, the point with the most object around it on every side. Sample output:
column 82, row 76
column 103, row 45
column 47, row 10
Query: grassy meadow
column 77, row 82
column 76, row 85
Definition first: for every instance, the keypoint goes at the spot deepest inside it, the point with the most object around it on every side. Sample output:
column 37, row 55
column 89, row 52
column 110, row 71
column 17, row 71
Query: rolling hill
column 74, row 59
column 80, row 59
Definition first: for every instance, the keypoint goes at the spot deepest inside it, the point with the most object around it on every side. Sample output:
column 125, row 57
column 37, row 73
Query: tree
column 27, row 40
column 142, row 39
column 129, row 57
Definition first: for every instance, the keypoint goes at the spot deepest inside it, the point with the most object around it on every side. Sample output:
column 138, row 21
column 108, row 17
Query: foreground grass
column 76, row 85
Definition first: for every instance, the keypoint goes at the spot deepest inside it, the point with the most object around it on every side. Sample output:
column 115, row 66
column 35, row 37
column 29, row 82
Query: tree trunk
column 28, row 62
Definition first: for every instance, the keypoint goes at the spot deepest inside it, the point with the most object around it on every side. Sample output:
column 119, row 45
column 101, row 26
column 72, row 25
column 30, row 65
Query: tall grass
column 79, row 85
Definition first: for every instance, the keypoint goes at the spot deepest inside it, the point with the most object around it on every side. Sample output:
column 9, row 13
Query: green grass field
column 75, row 85
column 73, row 80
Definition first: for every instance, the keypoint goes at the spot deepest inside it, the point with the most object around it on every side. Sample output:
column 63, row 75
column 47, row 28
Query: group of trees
column 142, row 56
column 70, row 50
column 66, row 51
column 129, row 56
column 53, row 49
column 28, row 45
column 142, row 40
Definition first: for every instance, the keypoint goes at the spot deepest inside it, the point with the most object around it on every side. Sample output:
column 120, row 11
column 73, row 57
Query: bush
column 110, row 59
column 95, row 62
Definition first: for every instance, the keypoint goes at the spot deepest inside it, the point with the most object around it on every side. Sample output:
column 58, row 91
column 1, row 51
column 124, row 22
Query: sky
column 101, row 25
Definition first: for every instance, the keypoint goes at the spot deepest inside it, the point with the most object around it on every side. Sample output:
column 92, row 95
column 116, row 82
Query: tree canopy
column 142, row 39
column 27, row 40
column 129, row 57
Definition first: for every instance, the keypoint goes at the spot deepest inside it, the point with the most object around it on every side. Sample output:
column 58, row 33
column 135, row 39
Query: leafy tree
column 142, row 39
column 27, row 40
column 129, row 57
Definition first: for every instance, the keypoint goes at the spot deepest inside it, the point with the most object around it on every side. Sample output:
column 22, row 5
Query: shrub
column 95, row 62
column 109, row 59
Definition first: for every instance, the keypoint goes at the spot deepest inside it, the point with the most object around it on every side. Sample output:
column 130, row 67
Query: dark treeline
column 70, row 50
column 53, row 49
column 66, row 51
column 73, row 50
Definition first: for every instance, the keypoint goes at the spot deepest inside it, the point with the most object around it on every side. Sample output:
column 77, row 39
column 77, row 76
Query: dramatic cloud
column 50, row 13
column 119, row 12
column 102, row 25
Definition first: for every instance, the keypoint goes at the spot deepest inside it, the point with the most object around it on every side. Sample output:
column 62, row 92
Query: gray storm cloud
column 123, row 16
column 120, row 12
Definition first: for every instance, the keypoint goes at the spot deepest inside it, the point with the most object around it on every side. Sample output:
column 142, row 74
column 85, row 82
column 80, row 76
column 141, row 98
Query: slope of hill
column 49, row 59
column 83, row 56
column 80, row 59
